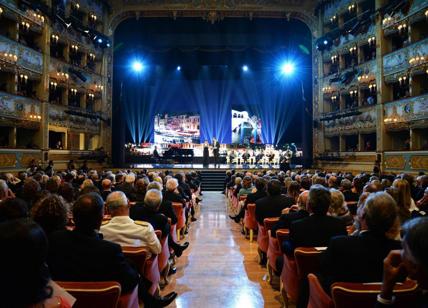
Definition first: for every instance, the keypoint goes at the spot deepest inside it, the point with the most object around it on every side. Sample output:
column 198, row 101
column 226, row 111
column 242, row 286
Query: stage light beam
column 287, row 68
column 137, row 66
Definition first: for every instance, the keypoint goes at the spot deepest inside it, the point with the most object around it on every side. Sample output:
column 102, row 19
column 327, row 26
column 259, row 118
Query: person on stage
column 156, row 155
column 206, row 153
column 216, row 151
column 285, row 160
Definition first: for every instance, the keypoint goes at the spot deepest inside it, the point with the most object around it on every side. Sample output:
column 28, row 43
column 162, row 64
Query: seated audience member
column 31, row 192
column 13, row 209
column 346, row 188
column 292, row 214
column 293, row 191
column 128, row 187
column 82, row 254
column 405, row 202
column 149, row 211
column 166, row 205
column 338, row 207
column 359, row 258
column 106, row 186
column 5, row 192
column 238, row 186
column 171, row 193
column 25, row 280
column 273, row 203
column 411, row 261
column 317, row 229
column 260, row 192
column 422, row 204
column 247, row 187
column 122, row 230
column 66, row 191
column 50, row 213
column 141, row 188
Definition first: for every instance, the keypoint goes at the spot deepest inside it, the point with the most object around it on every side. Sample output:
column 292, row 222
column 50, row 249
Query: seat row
column 305, row 263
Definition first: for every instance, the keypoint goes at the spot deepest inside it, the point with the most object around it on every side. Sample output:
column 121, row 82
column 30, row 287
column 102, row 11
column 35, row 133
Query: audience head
column 171, row 184
column 52, row 186
column 415, row 250
column 274, row 188
column 154, row 185
column 260, row 184
column 130, row 178
column 153, row 199
column 24, row 273
column 13, row 209
column 337, row 202
column 302, row 201
column 3, row 189
column 346, row 185
column 293, row 190
column 141, row 185
column 50, row 213
column 380, row 212
column 246, row 182
column 117, row 204
column 88, row 212
column 319, row 199
column 106, row 184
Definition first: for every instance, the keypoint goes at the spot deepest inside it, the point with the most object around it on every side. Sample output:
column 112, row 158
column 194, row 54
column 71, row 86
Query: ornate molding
column 214, row 10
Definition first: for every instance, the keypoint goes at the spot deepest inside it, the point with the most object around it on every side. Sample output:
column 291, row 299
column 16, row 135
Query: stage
column 201, row 167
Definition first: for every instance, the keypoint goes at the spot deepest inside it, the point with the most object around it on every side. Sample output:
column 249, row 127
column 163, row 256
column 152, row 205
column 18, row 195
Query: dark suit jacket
column 313, row 231
column 168, row 211
column 105, row 194
column 355, row 258
column 74, row 256
column 285, row 220
column 157, row 220
column 271, row 206
column 173, row 197
column 350, row 196
column 252, row 198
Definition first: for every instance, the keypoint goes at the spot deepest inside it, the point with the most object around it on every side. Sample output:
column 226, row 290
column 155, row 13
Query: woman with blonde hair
column 405, row 202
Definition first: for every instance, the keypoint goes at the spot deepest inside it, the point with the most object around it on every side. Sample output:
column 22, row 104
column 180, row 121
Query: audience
column 338, row 207
column 50, row 213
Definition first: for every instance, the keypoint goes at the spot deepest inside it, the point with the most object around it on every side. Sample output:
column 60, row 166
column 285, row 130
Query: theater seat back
column 137, row 255
column 307, row 261
column 317, row 296
column 250, row 217
column 353, row 295
column 93, row 294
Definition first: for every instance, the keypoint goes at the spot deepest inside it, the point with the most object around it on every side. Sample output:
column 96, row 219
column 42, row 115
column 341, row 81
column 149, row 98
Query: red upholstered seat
column 262, row 236
column 93, row 294
column 163, row 258
column 289, row 280
column 273, row 252
column 317, row 296
column 353, row 295
column 137, row 255
column 181, row 217
column 250, row 222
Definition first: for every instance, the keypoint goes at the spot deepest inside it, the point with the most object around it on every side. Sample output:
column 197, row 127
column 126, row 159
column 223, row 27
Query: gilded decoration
column 27, row 158
column 419, row 162
column 395, row 162
column 19, row 107
column 411, row 109
column 398, row 61
column 59, row 117
column 364, row 121
column 26, row 57
column 7, row 160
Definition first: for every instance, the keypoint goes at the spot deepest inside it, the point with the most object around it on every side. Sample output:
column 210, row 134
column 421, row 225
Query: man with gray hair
column 149, row 211
column 122, row 230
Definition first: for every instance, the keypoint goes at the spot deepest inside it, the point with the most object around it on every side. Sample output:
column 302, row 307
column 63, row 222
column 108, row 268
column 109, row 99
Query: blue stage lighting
column 179, row 68
column 245, row 68
column 137, row 66
column 325, row 42
column 287, row 68
column 100, row 40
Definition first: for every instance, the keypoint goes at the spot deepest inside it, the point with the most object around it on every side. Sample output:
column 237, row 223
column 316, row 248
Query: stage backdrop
column 246, row 128
column 182, row 128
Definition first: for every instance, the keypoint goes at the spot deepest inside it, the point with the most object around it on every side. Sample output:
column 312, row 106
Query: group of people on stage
column 268, row 156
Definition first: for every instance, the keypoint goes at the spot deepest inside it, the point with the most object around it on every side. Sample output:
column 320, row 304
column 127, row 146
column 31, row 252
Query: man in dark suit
column 82, row 254
column 360, row 258
column 292, row 214
column 346, row 189
column 273, row 204
column 318, row 228
column 106, row 185
column 149, row 211
column 216, row 151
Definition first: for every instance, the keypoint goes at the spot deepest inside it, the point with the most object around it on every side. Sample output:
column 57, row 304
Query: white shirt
column 124, row 231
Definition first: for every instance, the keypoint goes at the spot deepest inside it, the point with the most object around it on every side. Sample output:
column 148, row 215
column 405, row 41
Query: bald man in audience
column 106, row 186
column 122, row 230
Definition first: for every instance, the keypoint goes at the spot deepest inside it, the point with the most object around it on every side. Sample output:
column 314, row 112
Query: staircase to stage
column 212, row 180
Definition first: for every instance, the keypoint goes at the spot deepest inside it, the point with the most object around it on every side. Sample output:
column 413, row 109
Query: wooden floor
column 220, row 269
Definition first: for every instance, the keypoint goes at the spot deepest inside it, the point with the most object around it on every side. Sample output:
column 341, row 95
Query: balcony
column 399, row 60
column 25, row 57
column 20, row 108
column 406, row 111
column 354, row 121
column 74, row 118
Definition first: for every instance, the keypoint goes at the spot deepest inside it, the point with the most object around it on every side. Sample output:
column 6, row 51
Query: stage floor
column 202, row 167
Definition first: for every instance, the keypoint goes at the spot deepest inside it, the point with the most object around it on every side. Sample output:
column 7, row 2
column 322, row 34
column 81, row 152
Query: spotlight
column 100, row 40
column 245, row 68
column 287, row 68
column 137, row 66
column 179, row 68
column 325, row 42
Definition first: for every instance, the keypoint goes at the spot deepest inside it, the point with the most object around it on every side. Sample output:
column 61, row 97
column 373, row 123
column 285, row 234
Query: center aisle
column 220, row 269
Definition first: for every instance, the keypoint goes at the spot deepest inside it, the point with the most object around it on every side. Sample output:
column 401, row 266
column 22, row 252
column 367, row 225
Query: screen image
column 182, row 128
column 246, row 128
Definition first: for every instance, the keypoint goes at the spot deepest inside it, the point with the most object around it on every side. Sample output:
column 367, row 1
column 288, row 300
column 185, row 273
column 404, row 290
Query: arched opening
column 208, row 69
